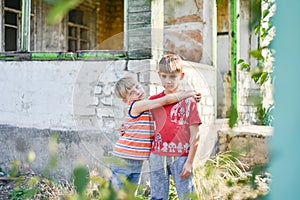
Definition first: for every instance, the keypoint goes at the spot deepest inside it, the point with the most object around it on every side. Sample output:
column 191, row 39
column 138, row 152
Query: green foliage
column 257, row 54
column 243, row 64
column 257, row 170
column 53, row 157
column 103, row 189
column 233, row 117
column 19, row 194
column 255, row 15
column 224, row 177
column 257, row 73
column 172, row 190
column 223, row 169
column 60, row 8
column 261, row 72
column 265, row 115
column 15, row 168
column 80, row 174
column 220, row 3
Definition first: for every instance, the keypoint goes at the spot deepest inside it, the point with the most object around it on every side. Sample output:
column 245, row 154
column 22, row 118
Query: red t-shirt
column 172, row 122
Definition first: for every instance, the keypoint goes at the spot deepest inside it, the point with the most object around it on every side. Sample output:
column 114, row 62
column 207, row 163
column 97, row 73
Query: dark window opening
column 76, row 16
column 11, row 18
column 14, row 4
column 10, row 39
column 77, row 31
column 12, row 22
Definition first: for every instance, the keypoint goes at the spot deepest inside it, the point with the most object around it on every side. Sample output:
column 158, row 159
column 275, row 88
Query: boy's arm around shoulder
column 148, row 104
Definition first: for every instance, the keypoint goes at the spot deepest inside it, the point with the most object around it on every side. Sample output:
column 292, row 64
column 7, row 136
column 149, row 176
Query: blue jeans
column 161, row 167
column 129, row 169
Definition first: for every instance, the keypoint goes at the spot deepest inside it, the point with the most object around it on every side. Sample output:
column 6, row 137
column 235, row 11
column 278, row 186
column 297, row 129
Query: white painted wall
column 38, row 94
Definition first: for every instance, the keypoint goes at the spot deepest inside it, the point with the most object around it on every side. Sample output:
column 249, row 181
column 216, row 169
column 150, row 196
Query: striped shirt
column 136, row 142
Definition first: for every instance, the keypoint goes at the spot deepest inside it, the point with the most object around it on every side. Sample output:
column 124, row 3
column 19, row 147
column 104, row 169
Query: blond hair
column 170, row 63
column 123, row 86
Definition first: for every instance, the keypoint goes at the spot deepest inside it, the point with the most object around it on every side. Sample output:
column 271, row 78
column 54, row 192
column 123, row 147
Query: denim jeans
column 161, row 167
column 129, row 169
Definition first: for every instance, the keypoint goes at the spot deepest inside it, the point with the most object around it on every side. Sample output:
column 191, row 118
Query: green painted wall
column 285, row 162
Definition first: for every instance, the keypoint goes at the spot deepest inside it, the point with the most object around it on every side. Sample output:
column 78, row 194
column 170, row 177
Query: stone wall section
column 248, row 98
column 252, row 147
column 184, row 29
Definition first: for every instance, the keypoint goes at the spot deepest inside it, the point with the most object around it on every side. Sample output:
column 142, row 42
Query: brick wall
column 183, row 29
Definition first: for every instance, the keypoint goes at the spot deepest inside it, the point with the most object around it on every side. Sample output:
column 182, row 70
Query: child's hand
column 197, row 96
column 186, row 170
column 122, row 130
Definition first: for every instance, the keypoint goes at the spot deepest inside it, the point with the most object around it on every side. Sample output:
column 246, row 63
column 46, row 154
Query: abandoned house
column 58, row 79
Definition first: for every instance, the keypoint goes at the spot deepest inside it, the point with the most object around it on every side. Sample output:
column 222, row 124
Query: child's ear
column 182, row 76
column 124, row 100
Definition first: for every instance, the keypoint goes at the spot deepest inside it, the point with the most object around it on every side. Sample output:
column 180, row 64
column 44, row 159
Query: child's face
column 136, row 93
column 170, row 81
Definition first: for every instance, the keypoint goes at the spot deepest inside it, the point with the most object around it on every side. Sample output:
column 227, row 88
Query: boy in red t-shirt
column 176, row 135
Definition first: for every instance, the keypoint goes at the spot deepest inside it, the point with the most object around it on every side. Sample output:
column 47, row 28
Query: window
column 12, row 25
column 77, row 31
column 92, row 25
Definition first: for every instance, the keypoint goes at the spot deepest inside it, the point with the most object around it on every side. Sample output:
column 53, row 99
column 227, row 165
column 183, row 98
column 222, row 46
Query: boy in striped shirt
column 134, row 145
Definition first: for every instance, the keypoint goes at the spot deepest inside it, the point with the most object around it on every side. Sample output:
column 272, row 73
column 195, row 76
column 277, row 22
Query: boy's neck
column 179, row 88
column 171, row 91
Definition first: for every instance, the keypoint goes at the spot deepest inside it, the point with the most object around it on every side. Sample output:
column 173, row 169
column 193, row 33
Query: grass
column 222, row 177
column 225, row 177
